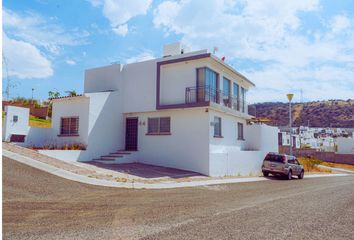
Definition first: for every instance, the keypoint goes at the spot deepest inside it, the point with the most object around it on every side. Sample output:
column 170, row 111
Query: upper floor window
column 226, row 87
column 207, row 84
column 69, row 126
column 159, row 125
column 235, row 90
column 243, row 99
column 217, row 126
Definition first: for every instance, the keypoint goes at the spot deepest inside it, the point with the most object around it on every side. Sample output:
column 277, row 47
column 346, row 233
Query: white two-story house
column 185, row 110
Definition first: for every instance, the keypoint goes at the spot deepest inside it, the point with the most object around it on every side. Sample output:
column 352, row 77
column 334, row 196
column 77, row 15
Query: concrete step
column 122, row 152
column 103, row 161
column 116, row 155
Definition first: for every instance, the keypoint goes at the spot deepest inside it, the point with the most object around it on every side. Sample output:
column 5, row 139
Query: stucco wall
column 228, row 130
column 35, row 137
column 186, row 148
column 229, row 156
column 139, row 87
column 74, row 107
column 261, row 137
column 105, row 125
column 106, row 78
column 176, row 77
column 236, row 163
column 64, row 155
column 10, row 126
column 345, row 145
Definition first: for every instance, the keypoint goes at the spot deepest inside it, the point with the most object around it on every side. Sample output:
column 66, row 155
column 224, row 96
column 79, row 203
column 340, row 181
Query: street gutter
column 134, row 185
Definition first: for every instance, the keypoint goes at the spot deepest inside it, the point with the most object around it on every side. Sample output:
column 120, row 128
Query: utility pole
column 32, row 96
column 7, row 91
column 290, row 97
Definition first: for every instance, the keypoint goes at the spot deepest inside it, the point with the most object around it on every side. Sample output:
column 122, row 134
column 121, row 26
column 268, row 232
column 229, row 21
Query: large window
column 226, row 87
column 207, row 83
column 69, row 126
column 240, row 131
column 243, row 99
column 159, row 126
column 235, row 95
column 217, row 127
column 235, row 90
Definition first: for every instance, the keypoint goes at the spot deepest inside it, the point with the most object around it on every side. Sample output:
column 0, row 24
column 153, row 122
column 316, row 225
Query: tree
column 52, row 94
column 71, row 93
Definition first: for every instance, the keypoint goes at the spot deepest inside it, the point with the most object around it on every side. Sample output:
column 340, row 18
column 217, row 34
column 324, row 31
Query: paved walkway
column 90, row 174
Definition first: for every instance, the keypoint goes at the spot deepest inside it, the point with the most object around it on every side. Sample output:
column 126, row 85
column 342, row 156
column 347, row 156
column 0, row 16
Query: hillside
column 332, row 113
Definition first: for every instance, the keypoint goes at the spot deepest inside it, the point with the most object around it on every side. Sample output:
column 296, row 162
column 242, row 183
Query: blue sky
column 283, row 46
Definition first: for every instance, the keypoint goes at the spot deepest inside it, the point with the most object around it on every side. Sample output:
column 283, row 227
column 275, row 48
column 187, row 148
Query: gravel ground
column 37, row 205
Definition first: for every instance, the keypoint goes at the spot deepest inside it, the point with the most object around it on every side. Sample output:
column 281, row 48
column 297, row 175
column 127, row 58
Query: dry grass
column 38, row 122
column 338, row 165
column 310, row 165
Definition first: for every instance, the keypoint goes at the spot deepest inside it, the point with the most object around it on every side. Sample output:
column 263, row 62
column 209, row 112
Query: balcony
column 207, row 94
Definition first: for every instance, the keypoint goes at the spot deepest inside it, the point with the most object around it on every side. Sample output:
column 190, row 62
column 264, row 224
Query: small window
column 153, row 125
column 15, row 118
column 159, row 125
column 217, row 127
column 165, row 125
column 69, row 126
column 240, row 131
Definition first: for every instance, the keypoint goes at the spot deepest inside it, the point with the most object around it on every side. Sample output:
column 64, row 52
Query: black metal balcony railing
column 210, row 94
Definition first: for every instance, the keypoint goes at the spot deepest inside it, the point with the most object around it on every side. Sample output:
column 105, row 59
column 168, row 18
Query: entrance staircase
column 120, row 156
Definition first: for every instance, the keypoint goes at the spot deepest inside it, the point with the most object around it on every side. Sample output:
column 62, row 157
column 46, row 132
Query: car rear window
column 274, row 158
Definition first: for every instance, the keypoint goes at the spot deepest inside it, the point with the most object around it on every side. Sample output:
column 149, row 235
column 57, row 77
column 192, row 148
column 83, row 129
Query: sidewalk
column 103, row 177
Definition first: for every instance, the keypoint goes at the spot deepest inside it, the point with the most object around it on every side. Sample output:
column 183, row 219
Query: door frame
column 126, row 135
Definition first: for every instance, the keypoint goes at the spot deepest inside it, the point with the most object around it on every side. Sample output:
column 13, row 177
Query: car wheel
column 290, row 175
column 301, row 176
column 266, row 174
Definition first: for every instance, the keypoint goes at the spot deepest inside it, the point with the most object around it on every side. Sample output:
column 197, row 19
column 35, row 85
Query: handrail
column 206, row 93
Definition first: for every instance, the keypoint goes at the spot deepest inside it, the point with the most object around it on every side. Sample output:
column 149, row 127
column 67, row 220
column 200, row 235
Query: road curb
column 137, row 185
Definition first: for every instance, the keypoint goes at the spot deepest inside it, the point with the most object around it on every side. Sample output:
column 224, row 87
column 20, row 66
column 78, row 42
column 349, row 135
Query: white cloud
column 340, row 23
column 121, row 30
column 272, row 35
column 144, row 56
column 32, row 42
column 70, row 62
column 38, row 31
column 24, row 60
column 119, row 12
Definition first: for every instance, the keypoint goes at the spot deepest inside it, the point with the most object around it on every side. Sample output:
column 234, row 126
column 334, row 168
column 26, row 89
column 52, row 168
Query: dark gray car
column 283, row 165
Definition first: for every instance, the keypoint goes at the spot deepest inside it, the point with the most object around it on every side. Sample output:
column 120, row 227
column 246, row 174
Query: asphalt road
column 37, row 205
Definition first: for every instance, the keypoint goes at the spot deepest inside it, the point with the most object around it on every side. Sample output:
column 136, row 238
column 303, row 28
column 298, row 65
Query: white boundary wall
column 345, row 145
column 232, row 160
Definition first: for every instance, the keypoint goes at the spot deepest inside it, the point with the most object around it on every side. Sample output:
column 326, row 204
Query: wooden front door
column 131, row 134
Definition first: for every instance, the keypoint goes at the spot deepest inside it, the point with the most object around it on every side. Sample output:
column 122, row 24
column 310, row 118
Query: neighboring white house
column 186, row 110
column 284, row 139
